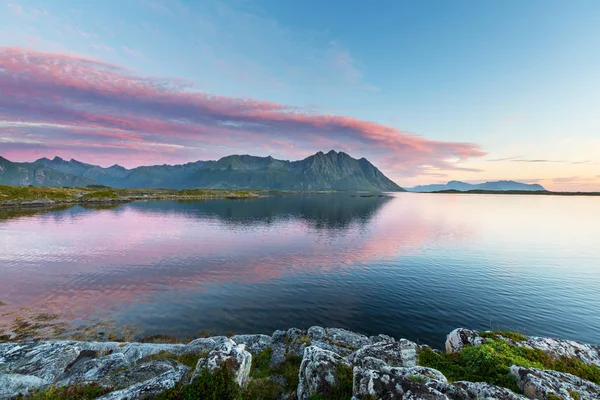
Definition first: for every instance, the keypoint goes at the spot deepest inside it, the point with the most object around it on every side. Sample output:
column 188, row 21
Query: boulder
column 459, row 338
column 45, row 360
column 13, row 385
column 233, row 356
column 340, row 341
column 542, row 384
column 381, row 338
column 150, row 387
column 399, row 383
column 402, row 353
column 287, row 343
column 254, row 343
column 135, row 374
column 319, row 372
column 586, row 353
column 482, row 390
column 91, row 369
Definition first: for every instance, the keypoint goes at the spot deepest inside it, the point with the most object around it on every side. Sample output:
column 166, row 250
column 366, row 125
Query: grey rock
column 278, row 348
column 220, row 340
column 202, row 345
column 13, row 385
column 319, row 371
column 135, row 352
column 234, row 356
column 586, row 353
column 539, row 384
column 287, row 343
column 254, row 343
column 91, row 369
column 45, row 360
column 141, row 373
column 340, row 341
column 402, row 353
column 151, row 387
column 459, row 338
column 399, row 383
column 381, row 339
column 482, row 390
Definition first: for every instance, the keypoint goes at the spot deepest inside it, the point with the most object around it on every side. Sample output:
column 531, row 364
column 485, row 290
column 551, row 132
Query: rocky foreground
column 324, row 363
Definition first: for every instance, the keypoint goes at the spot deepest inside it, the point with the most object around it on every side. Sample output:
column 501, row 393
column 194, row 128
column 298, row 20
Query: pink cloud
column 83, row 103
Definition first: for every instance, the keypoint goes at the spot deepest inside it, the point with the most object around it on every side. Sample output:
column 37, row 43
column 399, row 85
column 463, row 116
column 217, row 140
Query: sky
column 429, row 91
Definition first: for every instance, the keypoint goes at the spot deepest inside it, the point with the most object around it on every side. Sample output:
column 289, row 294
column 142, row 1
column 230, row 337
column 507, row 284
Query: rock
column 254, row 343
column 235, row 357
column 482, row 390
column 402, row 353
column 150, row 387
column 13, row 385
column 141, row 373
column 586, row 353
column 319, row 372
column 459, row 338
column 45, row 360
column 92, row 369
column 340, row 341
column 381, row 339
column 137, row 351
column 287, row 343
column 540, row 384
column 202, row 345
column 399, row 383
column 220, row 340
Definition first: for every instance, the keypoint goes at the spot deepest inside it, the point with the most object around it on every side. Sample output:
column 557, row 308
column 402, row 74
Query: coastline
column 318, row 363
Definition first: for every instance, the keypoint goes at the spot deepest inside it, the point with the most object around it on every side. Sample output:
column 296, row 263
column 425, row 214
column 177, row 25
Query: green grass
column 260, row 364
column 208, row 385
column 491, row 362
column 84, row 392
column 100, row 194
column 28, row 193
column 343, row 388
column 516, row 336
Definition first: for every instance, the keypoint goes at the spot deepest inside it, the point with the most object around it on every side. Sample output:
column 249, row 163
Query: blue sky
column 495, row 89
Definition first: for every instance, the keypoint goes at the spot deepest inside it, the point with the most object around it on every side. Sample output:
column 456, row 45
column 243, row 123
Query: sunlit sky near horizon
column 429, row 91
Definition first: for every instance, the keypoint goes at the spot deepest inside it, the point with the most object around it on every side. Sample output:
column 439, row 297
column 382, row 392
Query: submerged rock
column 543, row 384
column 319, row 371
column 13, row 385
column 150, row 387
column 231, row 355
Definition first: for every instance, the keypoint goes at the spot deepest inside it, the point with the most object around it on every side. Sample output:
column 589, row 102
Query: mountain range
column 321, row 171
column 465, row 187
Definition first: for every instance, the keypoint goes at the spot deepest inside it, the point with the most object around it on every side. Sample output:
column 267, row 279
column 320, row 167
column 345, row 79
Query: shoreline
column 318, row 363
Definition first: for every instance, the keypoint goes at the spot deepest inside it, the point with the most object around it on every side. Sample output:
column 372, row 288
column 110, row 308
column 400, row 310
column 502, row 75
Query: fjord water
column 409, row 265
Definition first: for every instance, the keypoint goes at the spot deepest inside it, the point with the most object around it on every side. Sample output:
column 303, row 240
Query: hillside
column 501, row 186
column 321, row 171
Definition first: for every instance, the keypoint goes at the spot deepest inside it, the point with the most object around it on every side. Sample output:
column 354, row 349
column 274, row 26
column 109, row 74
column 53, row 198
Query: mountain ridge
column 502, row 185
column 321, row 171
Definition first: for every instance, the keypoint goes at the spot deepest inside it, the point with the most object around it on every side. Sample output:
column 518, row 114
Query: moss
column 208, row 385
column 574, row 395
column 516, row 336
column 83, row 392
column 261, row 364
column 302, row 339
column 491, row 363
column 418, row 379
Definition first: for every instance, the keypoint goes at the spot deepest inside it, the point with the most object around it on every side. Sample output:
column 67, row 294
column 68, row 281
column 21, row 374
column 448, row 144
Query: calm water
column 412, row 265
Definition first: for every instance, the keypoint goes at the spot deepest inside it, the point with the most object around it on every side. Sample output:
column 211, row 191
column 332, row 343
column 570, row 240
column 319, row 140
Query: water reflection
column 412, row 265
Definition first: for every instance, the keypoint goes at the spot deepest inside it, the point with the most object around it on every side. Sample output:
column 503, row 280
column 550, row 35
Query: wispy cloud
column 80, row 103
column 520, row 159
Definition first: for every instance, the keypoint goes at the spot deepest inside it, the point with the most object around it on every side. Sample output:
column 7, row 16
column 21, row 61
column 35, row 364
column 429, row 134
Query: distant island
column 321, row 171
column 497, row 186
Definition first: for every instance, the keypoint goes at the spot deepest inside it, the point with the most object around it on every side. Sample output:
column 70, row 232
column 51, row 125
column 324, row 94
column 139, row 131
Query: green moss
column 516, row 336
column 83, row 392
column 302, row 339
column 418, row 378
column 208, row 385
column 491, row 363
column 260, row 364
column 574, row 395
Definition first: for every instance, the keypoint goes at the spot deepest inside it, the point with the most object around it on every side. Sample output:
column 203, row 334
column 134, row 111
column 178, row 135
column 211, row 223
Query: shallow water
column 410, row 265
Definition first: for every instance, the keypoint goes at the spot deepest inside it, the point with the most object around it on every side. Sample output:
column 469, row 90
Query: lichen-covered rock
column 482, row 390
column 151, row 387
column 542, row 384
column 233, row 356
column 319, row 371
column 254, row 343
column 137, row 351
column 340, row 341
column 381, row 339
column 402, row 353
column 586, row 353
column 46, row 360
column 134, row 374
column 92, row 369
column 13, row 385
column 459, row 338
column 399, row 383
column 287, row 343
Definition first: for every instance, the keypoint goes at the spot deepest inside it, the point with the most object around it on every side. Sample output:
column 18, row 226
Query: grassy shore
column 35, row 196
